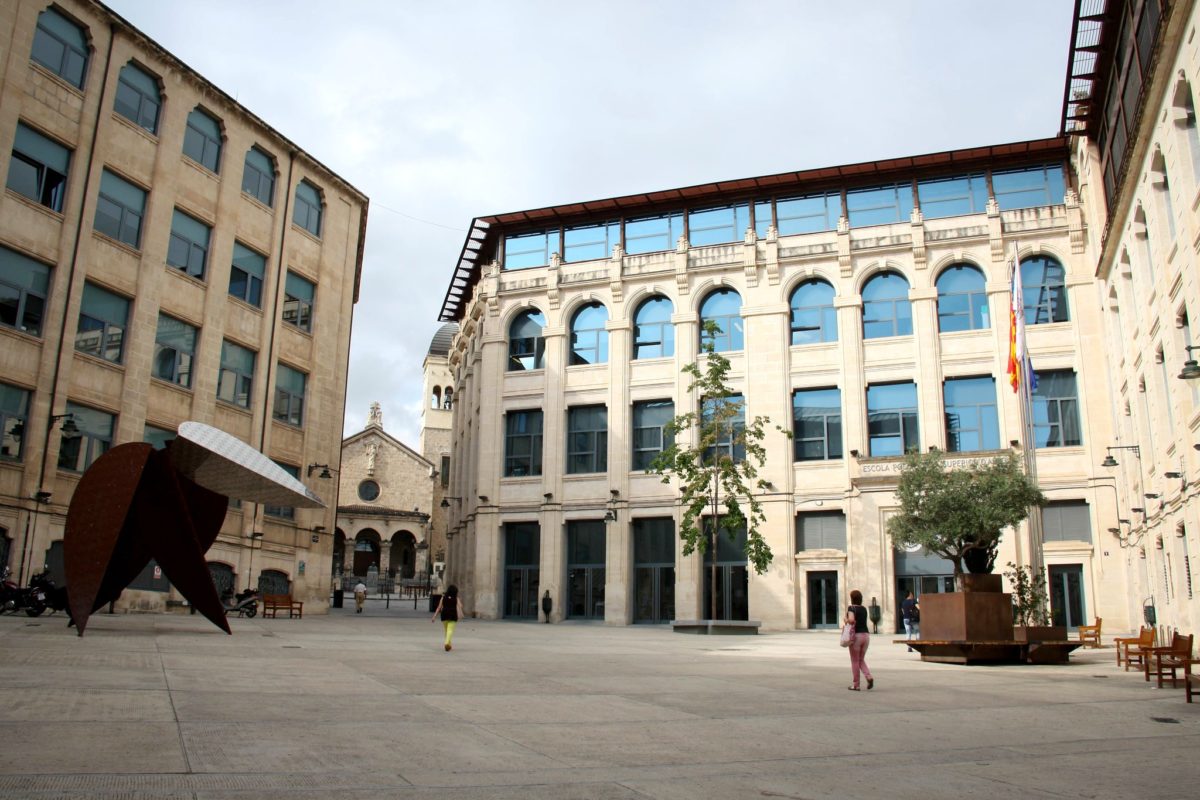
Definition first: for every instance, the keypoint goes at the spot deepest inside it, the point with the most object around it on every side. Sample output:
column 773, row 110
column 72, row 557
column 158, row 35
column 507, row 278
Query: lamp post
column 69, row 431
column 250, row 568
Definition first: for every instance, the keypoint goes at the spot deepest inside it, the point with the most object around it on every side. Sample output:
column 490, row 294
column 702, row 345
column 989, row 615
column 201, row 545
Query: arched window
column 653, row 333
column 436, row 400
column 526, row 347
column 962, row 299
column 60, row 46
column 589, row 339
column 886, row 309
column 138, row 98
column 448, row 399
column 814, row 319
column 272, row 581
column 308, row 208
column 222, row 576
column 723, row 307
column 258, row 176
column 202, row 140
column 1043, row 281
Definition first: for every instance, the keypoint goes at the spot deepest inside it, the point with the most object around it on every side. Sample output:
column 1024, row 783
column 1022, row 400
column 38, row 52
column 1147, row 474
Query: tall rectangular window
column 971, row 419
column 650, row 436
column 246, row 275
column 39, row 168
column 14, row 412
column 1056, row 409
column 159, row 437
column 880, row 205
column 309, row 208
column 762, row 218
column 1030, row 187
column 718, row 225
column 530, row 249
column 119, row 210
column 892, row 419
column 590, row 242
column 188, row 248
column 953, row 197
column 811, row 214
column 817, row 424
column 237, row 374
column 60, row 46
column 290, row 385
column 730, row 415
column 298, row 302
column 587, row 439
column 821, row 530
column 651, row 234
column 522, row 443
column 1066, row 521
column 103, row 317
column 258, row 176
column 174, row 350
column 77, row 452
column 24, row 286
column 283, row 512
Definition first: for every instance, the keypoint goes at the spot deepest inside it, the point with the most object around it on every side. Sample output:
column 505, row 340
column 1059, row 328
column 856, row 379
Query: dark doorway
column 366, row 552
column 654, row 570
column 733, row 601
column 222, row 575
column 585, row 569
column 339, row 553
column 824, row 606
column 1066, row 595
column 272, row 581
column 522, row 545
column 403, row 555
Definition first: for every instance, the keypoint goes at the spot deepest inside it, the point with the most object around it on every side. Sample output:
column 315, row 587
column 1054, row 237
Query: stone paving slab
column 357, row 706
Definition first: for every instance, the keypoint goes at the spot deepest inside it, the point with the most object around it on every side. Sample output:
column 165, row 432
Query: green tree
column 960, row 514
column 718, row 472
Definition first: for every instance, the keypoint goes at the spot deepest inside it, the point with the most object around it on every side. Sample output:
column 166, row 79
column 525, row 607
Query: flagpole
column 1024, row 377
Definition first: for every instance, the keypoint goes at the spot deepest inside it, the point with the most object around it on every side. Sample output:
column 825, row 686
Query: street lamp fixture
column 1109, row 461
column 446, row 501
column 325, row 473
column 250, row 568
column 1191, row 370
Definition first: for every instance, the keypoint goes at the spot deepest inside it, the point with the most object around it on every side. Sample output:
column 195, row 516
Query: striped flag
column 1019, row 363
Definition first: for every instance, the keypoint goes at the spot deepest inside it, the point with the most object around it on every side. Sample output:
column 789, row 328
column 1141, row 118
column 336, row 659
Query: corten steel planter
column 967, row 616
column 1040, row 633
column 980, row 582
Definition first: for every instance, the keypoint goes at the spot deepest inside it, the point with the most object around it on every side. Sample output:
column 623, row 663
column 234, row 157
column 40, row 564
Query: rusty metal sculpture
column 136, row 503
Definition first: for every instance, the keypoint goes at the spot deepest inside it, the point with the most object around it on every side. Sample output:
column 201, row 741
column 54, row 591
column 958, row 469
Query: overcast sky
column 444, row 111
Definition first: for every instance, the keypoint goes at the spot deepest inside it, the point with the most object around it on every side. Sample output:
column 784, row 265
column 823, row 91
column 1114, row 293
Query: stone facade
column 129, row 266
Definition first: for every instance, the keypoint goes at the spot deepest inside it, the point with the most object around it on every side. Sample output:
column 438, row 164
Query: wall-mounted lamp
column 483, row 498
column 1125, row 539
column 1014, row 443
column 548, row 496
column 1151, row 495
column 325, row 473
column 316, row 533
column 610, row 515
column 69, row 429
column 1183, row 484
column 615, row 493
column 854, row 454
column 446, row 501
column 1109, row 461
column 1191, row 370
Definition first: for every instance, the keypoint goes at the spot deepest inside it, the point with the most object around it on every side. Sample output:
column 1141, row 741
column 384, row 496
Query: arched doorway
column 403, row 556
column 272, row 581
column 366, row 552
column 222, row 577
column 339, row 553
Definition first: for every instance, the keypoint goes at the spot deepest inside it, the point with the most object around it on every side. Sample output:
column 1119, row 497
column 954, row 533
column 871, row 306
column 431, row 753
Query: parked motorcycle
column 43, row 593
column 244, row 604
column 12, row 598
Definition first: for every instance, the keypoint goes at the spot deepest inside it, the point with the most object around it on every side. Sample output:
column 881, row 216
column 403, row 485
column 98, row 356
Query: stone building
column 165, row 255
column 1133, row 72
column 863, row 306
column 386, row 493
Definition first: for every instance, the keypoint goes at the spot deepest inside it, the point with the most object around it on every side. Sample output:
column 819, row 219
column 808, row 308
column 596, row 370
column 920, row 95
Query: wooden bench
column 1124, row 644
column 1090, row 634
column 1169, row 658
column 274, row 603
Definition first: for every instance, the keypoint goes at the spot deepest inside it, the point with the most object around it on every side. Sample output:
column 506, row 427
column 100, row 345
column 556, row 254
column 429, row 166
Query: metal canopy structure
column 480, row 241
column 1087, row 64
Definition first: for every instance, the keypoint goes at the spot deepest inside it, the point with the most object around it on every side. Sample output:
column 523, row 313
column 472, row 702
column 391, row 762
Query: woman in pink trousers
column 857, row 615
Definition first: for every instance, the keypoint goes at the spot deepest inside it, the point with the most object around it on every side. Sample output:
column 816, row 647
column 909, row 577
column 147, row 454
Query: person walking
column 857, row 615
column 450, row 607
column 910, row 612
column 360, row 597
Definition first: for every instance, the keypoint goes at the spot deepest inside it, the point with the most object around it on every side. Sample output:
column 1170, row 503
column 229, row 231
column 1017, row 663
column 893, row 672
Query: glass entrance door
column 1066, row 595
column 521, row 553
column 823, row 607
column 585, row 569
column 654, row 570
column 733, row 595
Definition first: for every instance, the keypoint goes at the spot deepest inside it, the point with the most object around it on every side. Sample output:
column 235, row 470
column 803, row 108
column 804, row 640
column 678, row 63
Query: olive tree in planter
column 960, row 514
column 718, row 470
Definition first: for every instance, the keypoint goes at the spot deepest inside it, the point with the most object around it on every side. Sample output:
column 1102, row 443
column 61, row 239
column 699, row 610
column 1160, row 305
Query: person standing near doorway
column 450, row 607
column 910, row 612
column 857, row 615
column 360, row 597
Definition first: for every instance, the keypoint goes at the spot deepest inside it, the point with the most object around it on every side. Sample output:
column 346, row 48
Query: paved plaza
column 350, row 707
